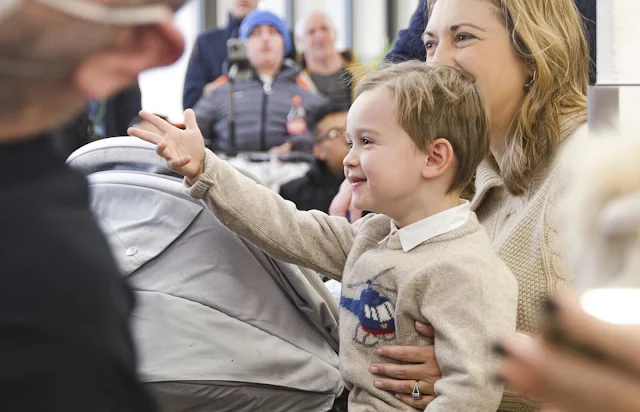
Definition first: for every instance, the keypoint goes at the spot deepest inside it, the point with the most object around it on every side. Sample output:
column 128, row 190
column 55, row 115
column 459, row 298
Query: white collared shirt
column 432, row 226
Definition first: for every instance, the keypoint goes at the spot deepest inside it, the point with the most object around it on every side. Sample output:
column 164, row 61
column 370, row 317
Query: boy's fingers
column 160, row 148
column 144, row 135
column 190, row 119
column 159, row 123
column 177, row 164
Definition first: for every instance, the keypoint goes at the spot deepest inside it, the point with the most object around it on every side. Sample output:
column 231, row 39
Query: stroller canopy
column 210, row 306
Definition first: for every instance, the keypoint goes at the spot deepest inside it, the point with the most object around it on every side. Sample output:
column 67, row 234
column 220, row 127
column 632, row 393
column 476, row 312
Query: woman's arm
column 341, row 204
column 416, row 364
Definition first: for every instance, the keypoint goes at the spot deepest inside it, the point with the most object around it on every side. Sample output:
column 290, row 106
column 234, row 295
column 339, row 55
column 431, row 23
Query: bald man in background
column 330, row 71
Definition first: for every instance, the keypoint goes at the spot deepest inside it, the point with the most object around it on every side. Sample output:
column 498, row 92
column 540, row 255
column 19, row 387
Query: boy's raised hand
column 182, row 149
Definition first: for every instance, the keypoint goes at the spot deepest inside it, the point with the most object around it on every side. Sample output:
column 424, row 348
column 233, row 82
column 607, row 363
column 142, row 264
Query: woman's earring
column 528, row 86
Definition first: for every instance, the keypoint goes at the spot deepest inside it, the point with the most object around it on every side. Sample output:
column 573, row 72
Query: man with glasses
column 65, row 343
column 317, row 188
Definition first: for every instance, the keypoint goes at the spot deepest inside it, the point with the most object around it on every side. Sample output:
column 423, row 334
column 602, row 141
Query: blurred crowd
column 258, row 87
column 254, row 91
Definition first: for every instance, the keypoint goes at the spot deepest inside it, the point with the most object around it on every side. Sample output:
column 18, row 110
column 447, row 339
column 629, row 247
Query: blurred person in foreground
column 65, row 343
column 580, row 363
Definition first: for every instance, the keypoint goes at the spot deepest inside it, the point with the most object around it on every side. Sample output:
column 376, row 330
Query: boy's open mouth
column 353, row 180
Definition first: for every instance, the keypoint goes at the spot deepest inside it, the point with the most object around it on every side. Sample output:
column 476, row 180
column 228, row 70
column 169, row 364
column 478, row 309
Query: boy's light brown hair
column 438, row 102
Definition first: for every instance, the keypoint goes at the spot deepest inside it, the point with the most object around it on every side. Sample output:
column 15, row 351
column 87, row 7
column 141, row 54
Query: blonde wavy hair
column 549, row 36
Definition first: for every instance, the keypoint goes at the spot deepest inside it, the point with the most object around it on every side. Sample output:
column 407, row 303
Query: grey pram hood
column 210, row 306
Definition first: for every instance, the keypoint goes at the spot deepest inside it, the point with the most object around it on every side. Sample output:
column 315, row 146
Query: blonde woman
column 531, row 59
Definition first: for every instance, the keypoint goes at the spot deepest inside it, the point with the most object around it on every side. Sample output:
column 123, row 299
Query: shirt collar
column 419, row 232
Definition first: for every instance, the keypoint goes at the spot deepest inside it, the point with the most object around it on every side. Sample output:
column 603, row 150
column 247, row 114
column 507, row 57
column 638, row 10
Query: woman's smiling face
column 469, row 35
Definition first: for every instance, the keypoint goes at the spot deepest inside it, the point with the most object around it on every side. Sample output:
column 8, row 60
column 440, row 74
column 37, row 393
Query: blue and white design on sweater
column 374, row 310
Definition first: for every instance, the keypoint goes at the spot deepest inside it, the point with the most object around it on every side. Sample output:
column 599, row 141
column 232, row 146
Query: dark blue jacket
column 261, row 112
column 207, row 59
column 409, row 43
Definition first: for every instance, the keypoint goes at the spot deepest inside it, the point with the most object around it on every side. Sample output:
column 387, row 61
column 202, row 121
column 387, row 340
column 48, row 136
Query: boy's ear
column 440, row 158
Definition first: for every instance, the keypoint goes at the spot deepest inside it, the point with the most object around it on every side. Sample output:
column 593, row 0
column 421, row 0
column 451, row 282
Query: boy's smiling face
column 383, row 165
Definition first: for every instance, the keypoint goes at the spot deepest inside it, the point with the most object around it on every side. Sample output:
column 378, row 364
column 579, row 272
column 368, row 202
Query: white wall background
column 162, row 88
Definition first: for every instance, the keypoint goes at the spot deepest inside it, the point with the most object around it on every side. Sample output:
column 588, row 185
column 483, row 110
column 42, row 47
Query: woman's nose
column 442, row 56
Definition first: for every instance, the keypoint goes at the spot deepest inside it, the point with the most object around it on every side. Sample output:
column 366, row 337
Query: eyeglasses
column 98, row 13
column 331, row 134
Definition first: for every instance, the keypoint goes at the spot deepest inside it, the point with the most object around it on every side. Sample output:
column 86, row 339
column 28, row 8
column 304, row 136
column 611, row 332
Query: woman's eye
column 463, row 37
column 365, row 141
column 429, row 45
column 350, row 144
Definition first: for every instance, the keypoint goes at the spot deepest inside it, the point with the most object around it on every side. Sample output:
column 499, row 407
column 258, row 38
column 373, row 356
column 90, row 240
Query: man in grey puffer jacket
column 262, row 102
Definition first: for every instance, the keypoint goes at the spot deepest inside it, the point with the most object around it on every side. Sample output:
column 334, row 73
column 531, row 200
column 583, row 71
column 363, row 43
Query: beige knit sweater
column 453, row 281
column 523, row 230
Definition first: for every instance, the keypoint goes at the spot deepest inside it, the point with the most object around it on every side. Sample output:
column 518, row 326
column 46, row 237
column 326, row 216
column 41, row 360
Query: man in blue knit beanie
column 258, row 18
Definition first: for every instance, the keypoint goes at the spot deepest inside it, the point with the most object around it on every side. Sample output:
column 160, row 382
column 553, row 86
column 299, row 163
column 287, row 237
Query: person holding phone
column 262, row 101
column 209, row 54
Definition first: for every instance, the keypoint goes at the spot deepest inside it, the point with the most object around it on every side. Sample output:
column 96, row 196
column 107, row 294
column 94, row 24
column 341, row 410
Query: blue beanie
column 259, row 17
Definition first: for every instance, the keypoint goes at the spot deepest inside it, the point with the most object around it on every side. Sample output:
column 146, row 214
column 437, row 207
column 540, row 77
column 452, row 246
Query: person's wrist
column 194, row 178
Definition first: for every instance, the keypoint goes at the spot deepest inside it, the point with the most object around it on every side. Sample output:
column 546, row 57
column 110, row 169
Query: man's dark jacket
column 65, row 343
column 315, row 190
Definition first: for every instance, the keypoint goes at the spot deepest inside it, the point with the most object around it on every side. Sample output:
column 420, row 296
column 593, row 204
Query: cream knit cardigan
column 523, row 230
